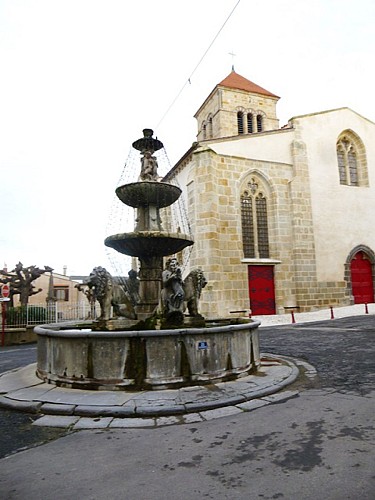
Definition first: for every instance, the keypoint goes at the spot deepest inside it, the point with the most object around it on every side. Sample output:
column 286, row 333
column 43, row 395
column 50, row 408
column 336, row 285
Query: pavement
column 312, row 439
column 21, row 390
column 320, row 315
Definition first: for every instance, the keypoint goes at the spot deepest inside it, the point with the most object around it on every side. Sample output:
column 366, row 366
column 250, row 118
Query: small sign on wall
column 202, row 345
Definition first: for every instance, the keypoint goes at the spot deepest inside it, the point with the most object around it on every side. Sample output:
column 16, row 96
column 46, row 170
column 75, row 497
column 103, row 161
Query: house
column 58, row 287
column 281, row 217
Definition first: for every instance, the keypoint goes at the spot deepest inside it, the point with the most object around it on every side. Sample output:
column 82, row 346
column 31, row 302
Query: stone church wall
column 314, row 222
column 214, row 205
column 213, row 199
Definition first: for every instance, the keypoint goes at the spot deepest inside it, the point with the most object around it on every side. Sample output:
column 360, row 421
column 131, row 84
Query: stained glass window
column 262, row 225
column 347, row 161
column 254, row 220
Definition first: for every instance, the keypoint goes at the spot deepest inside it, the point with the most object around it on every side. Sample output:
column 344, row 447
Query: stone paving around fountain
column 21, row 390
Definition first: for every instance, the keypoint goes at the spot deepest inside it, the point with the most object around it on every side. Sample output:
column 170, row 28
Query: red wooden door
column 362, row 283
column 261, row 290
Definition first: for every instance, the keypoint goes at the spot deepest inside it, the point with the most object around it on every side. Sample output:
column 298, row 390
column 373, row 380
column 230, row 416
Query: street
column 15, row 356
column 17, row 432
column 317, row 445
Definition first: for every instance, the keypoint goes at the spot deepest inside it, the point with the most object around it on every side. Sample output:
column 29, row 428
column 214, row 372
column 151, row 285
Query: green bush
column 21, row 315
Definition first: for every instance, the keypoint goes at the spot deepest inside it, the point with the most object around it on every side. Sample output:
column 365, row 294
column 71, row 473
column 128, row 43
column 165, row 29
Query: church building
column 281, row 217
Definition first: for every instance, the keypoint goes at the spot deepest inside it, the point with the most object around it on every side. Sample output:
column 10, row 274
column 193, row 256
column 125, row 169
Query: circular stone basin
column 156, row 359
column 148, row 243
column 144, row 193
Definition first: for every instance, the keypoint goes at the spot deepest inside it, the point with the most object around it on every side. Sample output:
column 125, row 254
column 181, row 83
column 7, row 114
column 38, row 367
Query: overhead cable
column 188, row 80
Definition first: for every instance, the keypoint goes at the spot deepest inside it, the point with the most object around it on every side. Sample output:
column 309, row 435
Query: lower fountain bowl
column 150, row 359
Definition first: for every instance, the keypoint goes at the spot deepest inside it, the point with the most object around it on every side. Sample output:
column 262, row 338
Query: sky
column 81, row 79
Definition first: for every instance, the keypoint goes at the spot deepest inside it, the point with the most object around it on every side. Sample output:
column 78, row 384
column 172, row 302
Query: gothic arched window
column 351, row 160
column 259, row 123
column 347, row 161
column 254, row 221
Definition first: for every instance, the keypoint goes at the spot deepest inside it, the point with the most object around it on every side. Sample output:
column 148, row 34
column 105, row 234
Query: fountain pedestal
column 149, row 286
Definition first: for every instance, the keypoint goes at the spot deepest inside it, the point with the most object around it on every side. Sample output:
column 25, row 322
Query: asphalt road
column 16, row 430
column 318, row 445
column 12, row 357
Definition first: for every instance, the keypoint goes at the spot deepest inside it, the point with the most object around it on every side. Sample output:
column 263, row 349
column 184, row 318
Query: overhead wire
column 188, row 80
column 112, row 258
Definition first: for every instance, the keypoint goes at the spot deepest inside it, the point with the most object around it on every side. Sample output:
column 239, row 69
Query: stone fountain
column 149, row 341
column 149, row 242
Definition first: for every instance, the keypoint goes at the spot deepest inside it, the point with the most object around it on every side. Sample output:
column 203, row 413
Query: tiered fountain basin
column 145, row 193
column 147, row 359
column 148, row 243
column 148, row 238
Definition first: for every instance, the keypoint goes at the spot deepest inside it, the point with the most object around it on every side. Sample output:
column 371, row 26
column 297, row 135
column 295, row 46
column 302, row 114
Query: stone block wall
column 307, row 207
column 222, row 106
column 234, row 101
column 214, row 192
column 214, row 209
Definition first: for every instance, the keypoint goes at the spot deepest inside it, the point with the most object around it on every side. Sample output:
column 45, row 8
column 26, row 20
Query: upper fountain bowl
column 145, row 193
column 147, row 142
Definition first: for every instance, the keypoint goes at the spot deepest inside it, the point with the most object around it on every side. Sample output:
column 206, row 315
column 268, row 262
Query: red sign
column 5, row 291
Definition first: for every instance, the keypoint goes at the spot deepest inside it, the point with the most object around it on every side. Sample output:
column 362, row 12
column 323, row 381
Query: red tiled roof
column 236, row 81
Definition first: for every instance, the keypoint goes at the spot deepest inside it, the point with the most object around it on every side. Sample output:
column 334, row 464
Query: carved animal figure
column 108, row 294
column 193, row 285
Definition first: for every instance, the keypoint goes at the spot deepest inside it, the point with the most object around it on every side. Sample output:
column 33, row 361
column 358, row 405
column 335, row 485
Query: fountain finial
column 147, row 142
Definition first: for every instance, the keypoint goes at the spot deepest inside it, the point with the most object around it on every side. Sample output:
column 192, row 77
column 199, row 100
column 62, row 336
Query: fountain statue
column 144, row 337
column 110, row 295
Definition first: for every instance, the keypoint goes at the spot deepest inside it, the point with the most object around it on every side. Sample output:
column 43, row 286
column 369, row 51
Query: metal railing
column 30, row 315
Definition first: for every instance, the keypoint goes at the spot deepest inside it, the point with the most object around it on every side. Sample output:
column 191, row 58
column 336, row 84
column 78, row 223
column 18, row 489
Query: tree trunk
column 24, row 296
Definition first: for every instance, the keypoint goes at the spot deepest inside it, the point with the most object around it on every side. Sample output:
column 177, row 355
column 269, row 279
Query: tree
column 20, row 280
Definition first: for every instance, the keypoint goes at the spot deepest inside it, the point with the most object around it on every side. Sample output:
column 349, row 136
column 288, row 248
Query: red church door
column 261, row 290
column 362, row 283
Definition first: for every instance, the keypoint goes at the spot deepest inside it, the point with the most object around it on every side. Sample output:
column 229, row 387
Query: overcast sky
column 80, row 79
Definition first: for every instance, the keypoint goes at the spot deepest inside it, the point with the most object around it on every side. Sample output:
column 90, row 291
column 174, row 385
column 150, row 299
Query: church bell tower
column 236, row 106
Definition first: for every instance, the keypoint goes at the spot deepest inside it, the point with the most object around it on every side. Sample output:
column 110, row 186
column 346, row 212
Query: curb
column 236, row 396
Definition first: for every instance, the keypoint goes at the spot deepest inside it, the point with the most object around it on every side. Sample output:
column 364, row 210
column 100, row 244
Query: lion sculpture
column 110, row 294
column 193, row 285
